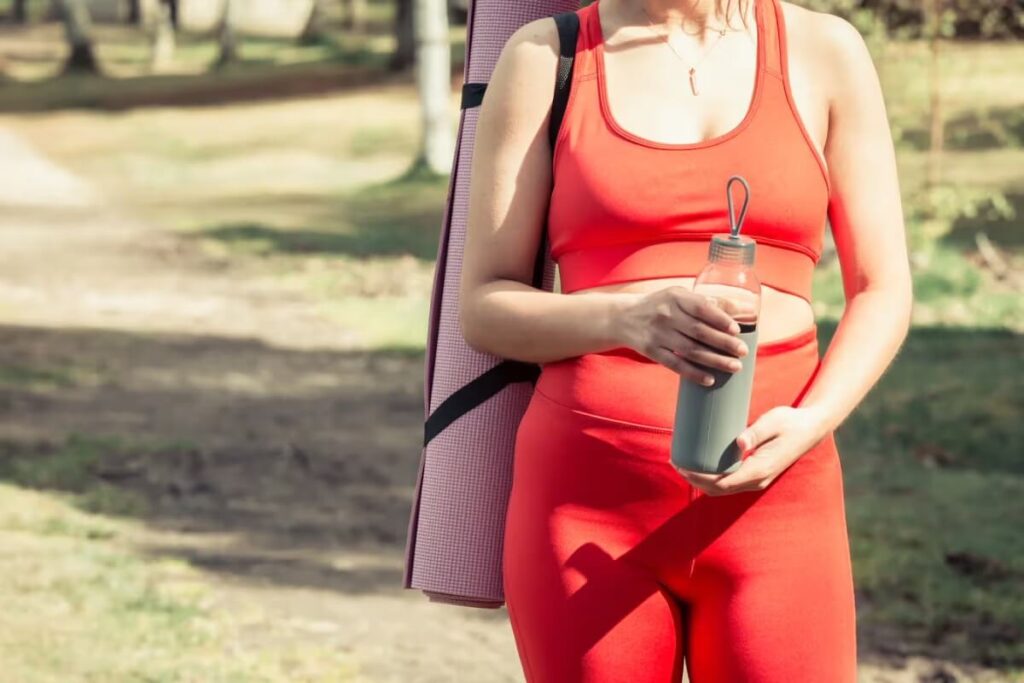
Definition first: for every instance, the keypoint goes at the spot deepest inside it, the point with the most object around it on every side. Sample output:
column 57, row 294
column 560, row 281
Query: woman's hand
column 779, row 437
column 678, row 327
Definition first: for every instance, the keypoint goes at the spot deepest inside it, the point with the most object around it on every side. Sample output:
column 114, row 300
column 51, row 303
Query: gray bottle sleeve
column 708, row 419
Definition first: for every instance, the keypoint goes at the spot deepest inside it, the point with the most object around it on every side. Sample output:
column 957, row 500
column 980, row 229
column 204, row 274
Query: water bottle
column 709, row 418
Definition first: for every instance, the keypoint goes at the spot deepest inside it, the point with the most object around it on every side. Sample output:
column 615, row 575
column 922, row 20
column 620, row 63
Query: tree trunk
column 19, row 11
column 164, row 42
column 314, row 29
column 937, row 125
column 229, row 34
column 433, row 71
column 405, row 38
column 355, row 14
column 78, row 30
column 135, row 12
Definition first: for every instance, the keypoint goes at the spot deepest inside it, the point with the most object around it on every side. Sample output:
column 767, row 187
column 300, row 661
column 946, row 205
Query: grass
column 934, row 486
column 81, row 605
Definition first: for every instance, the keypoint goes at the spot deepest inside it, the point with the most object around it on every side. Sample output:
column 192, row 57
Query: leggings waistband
column 625, row 386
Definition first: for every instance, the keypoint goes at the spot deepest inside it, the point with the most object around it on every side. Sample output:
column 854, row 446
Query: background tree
column 316, row 25
column 229, row 34
column 19, row 11
column 404, row 55
column 162, row 29
column 78, row 30
column 433, row 71
column 355, row 14
column 938, row 23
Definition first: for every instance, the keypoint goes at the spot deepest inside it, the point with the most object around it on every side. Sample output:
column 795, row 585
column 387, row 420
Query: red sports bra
column 626, row 208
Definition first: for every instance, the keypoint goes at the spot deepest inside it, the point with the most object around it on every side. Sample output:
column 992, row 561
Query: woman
column 617, row 566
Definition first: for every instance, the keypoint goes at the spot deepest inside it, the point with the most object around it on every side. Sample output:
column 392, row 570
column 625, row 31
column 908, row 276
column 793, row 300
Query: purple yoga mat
column 456, row 527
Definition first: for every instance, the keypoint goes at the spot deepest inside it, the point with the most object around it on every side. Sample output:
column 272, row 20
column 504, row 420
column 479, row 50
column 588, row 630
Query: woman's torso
column 632, row 212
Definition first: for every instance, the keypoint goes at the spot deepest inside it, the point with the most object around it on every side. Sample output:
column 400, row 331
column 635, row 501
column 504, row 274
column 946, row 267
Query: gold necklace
column 693, row 67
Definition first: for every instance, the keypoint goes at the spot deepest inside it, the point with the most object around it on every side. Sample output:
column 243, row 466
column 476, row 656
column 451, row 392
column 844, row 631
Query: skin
column 839, row 99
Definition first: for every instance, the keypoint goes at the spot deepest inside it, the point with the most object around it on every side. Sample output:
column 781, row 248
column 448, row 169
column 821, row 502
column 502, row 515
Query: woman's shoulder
column 534, row 45
column 527, row 64
column 830, row 43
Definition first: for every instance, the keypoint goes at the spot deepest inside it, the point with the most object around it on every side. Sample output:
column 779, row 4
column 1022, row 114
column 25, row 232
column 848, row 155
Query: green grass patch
column 23, row 377
column 79, row 605
column 76, row 467
column 935, row 492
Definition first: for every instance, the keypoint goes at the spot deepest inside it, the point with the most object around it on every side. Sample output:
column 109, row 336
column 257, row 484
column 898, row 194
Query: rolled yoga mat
column 473, row 402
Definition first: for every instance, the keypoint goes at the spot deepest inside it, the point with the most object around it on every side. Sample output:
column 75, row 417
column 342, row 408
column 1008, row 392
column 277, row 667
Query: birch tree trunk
column 433, row 72
column 229, row 34
column 78, row 30
column 164, row 42
column 933, row 16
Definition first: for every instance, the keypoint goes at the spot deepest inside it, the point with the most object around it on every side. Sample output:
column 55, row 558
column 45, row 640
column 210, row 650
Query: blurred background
column 217, row 240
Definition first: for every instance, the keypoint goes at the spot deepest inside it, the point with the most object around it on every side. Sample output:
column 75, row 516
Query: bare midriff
column 782, row 314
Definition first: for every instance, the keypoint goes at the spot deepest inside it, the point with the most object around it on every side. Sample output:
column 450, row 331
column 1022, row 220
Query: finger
column 701, row 356
column 685, row 368
column 750, row 475
column 763, row 429
column 702, row 478
column 705, row 481
column 731, row 307
column 701, row 308
column 708, row 489
column 717, row 340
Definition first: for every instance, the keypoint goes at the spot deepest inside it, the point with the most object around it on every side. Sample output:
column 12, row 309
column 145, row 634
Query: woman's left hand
column 780, row 436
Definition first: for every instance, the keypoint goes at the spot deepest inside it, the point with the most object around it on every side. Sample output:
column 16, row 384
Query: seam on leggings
column 614, row 420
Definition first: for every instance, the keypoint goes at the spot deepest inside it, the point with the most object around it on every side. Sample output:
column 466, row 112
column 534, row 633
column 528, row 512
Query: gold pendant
column 693, row 81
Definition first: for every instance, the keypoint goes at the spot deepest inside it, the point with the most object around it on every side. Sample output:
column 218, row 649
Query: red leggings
column 616, row 569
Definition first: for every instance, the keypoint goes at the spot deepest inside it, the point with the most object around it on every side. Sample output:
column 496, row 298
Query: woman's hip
column 597, row 434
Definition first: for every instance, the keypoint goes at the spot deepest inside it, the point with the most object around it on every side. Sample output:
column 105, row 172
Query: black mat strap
column 472, row 95
column 478, row 392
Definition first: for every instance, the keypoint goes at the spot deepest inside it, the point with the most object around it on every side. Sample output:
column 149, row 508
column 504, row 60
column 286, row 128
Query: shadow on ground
column 298, row 467
column 297, row 454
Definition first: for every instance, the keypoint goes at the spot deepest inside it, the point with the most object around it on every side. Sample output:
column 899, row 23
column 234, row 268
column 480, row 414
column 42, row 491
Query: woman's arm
column 866, row 216
column 510, row 191
column 509, row 194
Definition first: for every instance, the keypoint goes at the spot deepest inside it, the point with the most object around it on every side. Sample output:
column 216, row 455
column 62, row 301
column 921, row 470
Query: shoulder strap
column 568, row 31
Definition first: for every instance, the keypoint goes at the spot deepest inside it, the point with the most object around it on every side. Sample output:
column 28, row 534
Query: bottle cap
column 732, row 249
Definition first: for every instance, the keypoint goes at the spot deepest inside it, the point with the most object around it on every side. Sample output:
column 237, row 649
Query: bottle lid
column 734, row 248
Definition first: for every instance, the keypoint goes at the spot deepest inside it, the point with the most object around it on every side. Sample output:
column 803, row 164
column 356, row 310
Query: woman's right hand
column 678, row 327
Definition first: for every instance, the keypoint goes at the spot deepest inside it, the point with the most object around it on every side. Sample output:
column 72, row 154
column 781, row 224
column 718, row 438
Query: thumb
column 756, row 434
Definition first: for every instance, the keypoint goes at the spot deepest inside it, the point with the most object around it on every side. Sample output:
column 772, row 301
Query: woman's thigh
column 772, row 594
column 581, row 610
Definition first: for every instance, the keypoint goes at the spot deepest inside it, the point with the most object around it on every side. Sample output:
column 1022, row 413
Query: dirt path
column 283, row 460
